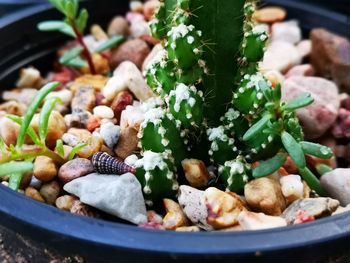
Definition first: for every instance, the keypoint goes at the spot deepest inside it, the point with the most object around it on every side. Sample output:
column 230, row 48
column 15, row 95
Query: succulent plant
column 216, row 98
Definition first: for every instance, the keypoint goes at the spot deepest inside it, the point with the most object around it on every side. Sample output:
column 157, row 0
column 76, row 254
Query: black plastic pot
column 325, row 240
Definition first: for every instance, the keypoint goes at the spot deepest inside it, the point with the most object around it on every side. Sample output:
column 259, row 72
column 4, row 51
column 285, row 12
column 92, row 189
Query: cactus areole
column 218, row 106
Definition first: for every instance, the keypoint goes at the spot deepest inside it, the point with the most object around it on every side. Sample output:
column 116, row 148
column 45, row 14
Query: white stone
column 288, row 31
column 117, row 195
column 131, row 160
column 318, row 117
column 280, row 56
column 30, row 78
column 139, row 28
column 337, row 184
column 156, row 52
column 304, row 47
column 110, row 134
column 65, row 95
column 113, row 87
column 292, row 187
column 257, row 221
column 134, row 80
column 103, row 112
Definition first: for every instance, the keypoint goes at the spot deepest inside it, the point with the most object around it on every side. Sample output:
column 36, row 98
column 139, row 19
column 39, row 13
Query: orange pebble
column 270, row 15
column 93, row 123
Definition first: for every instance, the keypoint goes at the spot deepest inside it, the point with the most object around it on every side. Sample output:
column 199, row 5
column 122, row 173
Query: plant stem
column 32, row 152
column 312, row 181
column 86, row 52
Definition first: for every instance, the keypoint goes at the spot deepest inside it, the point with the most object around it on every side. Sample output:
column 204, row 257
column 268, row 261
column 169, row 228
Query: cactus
column 216, row 100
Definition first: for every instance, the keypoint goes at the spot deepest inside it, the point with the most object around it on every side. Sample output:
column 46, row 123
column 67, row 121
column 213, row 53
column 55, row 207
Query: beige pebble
column 50, row 191
column 30, row 78
column 34, row 194
column 174, row 217
column 196, row 172
column 127, row 143
column 65, row 202
column 103, row 112
column 257, row 221
column 45, row 169
column 270, row 15
column 188, row 229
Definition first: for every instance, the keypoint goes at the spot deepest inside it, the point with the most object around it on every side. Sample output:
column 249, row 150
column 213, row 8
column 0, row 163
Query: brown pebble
column 50, row 192
column 120, row 102
column 135, row 50
column 74, row 169
column 270, row 15
column 127, row 143
column 65, row 202
column 45, row 169
column 82, row 209
column 34, row 194
column 118, row 26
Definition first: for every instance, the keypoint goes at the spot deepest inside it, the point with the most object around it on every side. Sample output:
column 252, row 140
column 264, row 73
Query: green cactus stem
column 155, row 171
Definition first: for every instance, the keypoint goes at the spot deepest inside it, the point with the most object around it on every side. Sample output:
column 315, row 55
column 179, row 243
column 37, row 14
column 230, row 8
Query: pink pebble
column 306, row 70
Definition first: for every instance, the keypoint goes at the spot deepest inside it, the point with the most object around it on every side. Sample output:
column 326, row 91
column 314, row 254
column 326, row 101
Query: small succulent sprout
column 184, row 46
column 155, row 172
column 254, row 43
column 222, row 146
column 249, row 98
column 160, row 133
column 186, row 105
column 235, row 174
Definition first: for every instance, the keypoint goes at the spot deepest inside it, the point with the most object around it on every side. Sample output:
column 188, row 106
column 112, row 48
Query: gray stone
column 310, row 207
column 337, row 184
column 117, row 195
column 110, row 134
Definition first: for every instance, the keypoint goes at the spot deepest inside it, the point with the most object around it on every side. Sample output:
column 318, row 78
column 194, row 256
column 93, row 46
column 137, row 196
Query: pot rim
column 20, row 209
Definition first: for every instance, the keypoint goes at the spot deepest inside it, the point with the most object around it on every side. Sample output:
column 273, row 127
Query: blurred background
column 341, row 6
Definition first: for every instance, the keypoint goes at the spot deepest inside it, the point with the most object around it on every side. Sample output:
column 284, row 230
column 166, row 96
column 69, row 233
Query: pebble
column 101, row 66
column 114, row 86
column 156, row 51
column 196, row 172
column 132, row 117
column 97, row 82
column 192, row 203
column 188, row 229
column 223, row 208
column 134, row 80
column 45, row 169
column 317, row 118
column 13, row 107
column 30, row 78
column 265, row 195
column 306, row 70
column 50, row 192
column 78, row 119
column 135, row 51
column 98, row 33
column 127, row 143
column 149, row 9
column 103, row 112
column 174, row 217
column 153, row 217
column 136, row 6
column 331, row 57
column 35, row 183
column 34, row 194
column 139, row 28
column 304, row 47
column 310, row 207
column 120, row 102
column 118, row 26
column 65, row 202
column 341, row 210
column 110, row 134
column 56, row 127
column 131, row 160
column 74, row 169
column 280, row 56
column 288, row 31
column 65, row 95
column 275, row 77
column 8, row 130
column 292, row 187
column 117, row 195
column 258, row 221
column 337, row 185
column 24, row 96
column 270, row 15
column 84, row 99
column 81, row 209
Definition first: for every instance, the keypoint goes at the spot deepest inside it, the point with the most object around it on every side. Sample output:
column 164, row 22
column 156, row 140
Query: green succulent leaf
column 30, row 131
column 45, row 113
column 3, row 146
column 59, row 5
column 59, row 148
column 323, row 168
column 257, row 127
column 312, row 181
column 265, row 89
column 15, row 167
column 317, row 150
column 112, row 42
column 82, row 20
column 15, row 181
column 75, row 150
column 77, row 63
column 43, row 92
column 277, row 93
column 294, row 149
column 71, row 8
column 70, row 55
column 51, row 25
column 270, row 166
column 301, row 101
